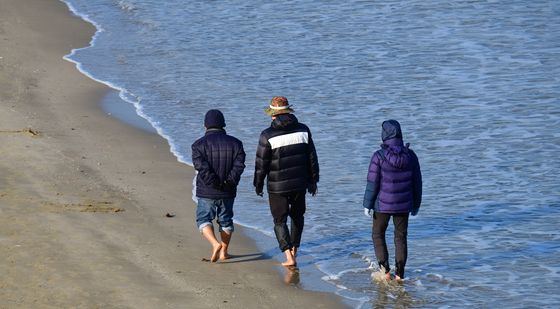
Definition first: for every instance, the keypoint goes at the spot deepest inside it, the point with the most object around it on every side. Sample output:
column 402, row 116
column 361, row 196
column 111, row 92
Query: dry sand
column 83, row 197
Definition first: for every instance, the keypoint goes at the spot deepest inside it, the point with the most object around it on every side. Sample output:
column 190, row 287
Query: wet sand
column 84, row 197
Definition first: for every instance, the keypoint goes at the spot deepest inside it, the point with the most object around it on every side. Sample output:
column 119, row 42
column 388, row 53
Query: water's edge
column 473, row 84
column 130, row 113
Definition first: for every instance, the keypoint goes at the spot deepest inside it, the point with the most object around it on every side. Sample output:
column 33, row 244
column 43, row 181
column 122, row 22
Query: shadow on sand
column 241, row 258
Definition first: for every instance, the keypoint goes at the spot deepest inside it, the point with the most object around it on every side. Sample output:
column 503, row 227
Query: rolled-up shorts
column 208, row 209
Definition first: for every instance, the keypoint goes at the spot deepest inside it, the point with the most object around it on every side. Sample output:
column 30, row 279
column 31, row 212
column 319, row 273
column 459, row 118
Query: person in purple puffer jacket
column 394, row 189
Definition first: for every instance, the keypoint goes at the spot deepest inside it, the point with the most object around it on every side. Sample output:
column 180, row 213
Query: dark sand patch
column 86, row 206
column 26, row 131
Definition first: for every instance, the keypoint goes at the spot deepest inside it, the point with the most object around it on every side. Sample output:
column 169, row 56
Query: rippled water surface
column 475, row 85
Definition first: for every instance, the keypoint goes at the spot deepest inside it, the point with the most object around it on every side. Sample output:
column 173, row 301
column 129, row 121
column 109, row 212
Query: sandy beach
column 84, row 197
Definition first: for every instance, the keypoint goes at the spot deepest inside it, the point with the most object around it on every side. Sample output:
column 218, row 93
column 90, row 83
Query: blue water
column 475, row 85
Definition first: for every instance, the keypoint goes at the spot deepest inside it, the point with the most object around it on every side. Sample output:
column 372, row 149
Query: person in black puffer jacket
column 219, row 160
column 286, row 157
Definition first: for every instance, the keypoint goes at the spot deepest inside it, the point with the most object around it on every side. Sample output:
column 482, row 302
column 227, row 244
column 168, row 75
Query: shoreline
column 82, row 222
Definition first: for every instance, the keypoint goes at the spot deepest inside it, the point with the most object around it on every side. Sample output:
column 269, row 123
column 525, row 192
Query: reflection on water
column 392, row 296
column 291, row 276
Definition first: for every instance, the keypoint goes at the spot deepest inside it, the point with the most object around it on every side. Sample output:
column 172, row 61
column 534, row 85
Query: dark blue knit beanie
column 214, row 119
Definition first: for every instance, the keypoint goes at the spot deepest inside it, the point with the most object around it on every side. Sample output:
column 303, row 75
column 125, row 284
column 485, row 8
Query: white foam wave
column 86, row 18
column 126, row 6
column 254, row 227
column 342, row 273
column 124, row 94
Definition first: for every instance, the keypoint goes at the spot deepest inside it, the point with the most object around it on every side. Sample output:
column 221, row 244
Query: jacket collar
column 394, row 142
column 215, row 131
column 284, row 121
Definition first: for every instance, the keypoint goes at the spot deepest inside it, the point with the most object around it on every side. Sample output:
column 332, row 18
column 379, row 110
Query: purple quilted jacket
column 394, row 178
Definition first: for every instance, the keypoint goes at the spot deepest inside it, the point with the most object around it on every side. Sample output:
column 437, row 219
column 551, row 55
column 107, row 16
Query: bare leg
column 208, row 233
column 225, row 243
column 290, row 260
column 294, row 251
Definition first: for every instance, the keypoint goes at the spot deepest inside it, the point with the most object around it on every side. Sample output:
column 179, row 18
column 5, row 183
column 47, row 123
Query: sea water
column 475, row 85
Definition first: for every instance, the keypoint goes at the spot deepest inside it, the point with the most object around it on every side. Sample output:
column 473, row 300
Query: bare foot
column 294, row 251
column 226, row 237
column 398, row 279
column 289, row 264
column 388, row 276
column 290, row 260
column 224, row 255
column 215, row 252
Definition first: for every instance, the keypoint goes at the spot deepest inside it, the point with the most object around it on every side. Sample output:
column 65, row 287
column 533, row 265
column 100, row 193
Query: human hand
column 312, row 188
column 259, row 190
column 217, row 184
column 368, row 212
column 228, row 186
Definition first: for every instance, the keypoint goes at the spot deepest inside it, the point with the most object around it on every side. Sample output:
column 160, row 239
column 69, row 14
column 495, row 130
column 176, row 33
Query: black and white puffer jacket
column 286, row 157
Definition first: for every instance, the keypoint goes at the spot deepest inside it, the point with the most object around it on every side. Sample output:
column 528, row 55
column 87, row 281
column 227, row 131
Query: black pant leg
column 279, row 208
column 380, row 223
column 400, row 221
column 297, row 210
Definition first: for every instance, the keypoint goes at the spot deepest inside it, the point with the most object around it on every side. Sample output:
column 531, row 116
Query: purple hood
column 396, row 153
column 394, row 178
